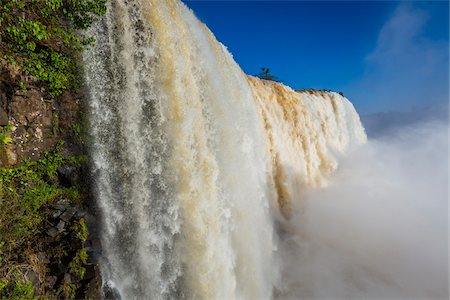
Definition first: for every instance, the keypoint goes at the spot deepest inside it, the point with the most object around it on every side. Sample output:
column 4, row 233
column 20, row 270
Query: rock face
column 37, row 121
column 60, row 234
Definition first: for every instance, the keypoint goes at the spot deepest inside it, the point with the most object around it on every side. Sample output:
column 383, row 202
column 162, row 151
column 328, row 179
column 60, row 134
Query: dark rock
column 80, row 214
column 27, row 107
column 92, row 256
column 52, row 232
column 3, row 118
column 68, row 176
column 93, row 289
column 54, row 269
column 67, row 278
column 51, row 280
column 57, row 214
column 33, row 277
column 43, row 257
column 38, row 121
column 90, row 271
column 62, row 204
column 60, row 226
column 110, row 292
column 75, row 243
column 68, row 214
column 93, row 244
column 62, row 268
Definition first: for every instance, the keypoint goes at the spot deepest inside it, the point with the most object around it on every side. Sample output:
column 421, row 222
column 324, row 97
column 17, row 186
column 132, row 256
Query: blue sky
column 384, row 55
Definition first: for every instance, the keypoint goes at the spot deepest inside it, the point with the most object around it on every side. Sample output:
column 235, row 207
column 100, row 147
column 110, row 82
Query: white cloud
column 406, row 68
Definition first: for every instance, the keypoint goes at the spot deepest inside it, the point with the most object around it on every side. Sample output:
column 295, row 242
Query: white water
column 307, row 133
column 196, row 166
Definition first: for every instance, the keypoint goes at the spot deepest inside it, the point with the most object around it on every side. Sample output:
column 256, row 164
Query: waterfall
column 306, row 134
column 193, row 161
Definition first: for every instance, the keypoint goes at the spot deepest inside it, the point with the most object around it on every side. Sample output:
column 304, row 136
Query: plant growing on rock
column 41, row 37
column 29, row 199
column 4, row 138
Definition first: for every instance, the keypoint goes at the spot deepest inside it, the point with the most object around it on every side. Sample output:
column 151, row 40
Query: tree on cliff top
column 264, row 74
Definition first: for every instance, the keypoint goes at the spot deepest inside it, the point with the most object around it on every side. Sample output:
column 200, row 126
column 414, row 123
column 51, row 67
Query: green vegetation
column 22, row 86
column 76, row 265
column 81, row 230
column 266, row 76
column 17, row 289
column 27, row 194
column 4, row 138
column 55, row 123
column 42, row 254
column 312, row 91
column 80, row 129
column 42, row 36
column 24, row 191
column 68, row 290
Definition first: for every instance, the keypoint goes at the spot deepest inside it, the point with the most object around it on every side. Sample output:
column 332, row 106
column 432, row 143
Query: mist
column 380, row 229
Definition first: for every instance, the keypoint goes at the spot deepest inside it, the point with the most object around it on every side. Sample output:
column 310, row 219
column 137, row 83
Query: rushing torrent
column 194, row 162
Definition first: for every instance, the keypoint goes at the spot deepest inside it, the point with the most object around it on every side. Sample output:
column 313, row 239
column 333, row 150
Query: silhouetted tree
column 265, row 75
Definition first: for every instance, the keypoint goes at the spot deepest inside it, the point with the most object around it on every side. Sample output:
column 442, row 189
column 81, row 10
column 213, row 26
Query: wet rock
column 27, row 107
column 93, row 245
column 93, row 289
column 62, row 204
column 57, row 214
column 90, row 271
column 80, row 214
column 52, row 232
column 68, row 214
column 60, row 226
column 92, row 256
column 110, row 292
column 68, row 176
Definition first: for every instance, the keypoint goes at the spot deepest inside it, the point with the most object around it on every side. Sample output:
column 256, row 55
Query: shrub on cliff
column 42, row 231
column 41, row 36
column 265, row 74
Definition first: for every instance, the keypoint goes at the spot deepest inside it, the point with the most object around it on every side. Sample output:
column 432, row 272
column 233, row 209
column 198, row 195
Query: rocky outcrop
column 37, row 122
column 60, row 259
column 68, row 270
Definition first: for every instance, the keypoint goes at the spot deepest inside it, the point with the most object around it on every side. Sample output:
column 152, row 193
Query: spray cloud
column 380, row 229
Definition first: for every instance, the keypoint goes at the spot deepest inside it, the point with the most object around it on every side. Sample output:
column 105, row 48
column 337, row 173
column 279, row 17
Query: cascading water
column 306, row 134
column 193, row 161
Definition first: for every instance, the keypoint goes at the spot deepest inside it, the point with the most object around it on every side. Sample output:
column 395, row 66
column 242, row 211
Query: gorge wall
column 45, row 204
column 37, row 121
